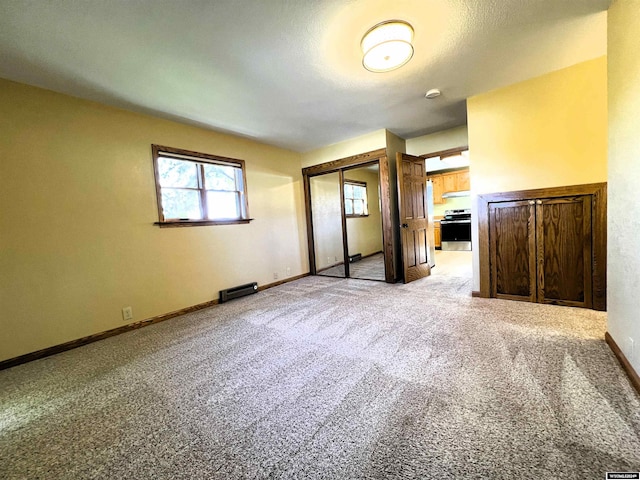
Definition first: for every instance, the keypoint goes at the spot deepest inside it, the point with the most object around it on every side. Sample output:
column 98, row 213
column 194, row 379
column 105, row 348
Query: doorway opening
column 448, row 172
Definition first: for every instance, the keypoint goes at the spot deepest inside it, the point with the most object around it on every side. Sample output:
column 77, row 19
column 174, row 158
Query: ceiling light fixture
column 433, row 93
column 387, row 46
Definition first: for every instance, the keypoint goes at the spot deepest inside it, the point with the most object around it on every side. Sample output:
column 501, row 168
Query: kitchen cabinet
column 463, row 182
column 438, row 189
column 437, row 235
column 541, row 250
column 448, row 182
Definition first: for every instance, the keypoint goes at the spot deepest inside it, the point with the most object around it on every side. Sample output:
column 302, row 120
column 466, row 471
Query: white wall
column 623, row 263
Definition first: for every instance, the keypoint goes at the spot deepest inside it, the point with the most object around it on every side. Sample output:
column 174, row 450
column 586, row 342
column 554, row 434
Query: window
column 355, row 199
column 199, row 189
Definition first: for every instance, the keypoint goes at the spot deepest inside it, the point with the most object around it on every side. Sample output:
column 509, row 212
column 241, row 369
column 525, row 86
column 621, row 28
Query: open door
column 414, row 222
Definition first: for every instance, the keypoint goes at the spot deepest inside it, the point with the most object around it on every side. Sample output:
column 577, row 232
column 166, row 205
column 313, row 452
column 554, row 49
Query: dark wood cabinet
column 541, row 250
column 549, row 249
column 513, row 250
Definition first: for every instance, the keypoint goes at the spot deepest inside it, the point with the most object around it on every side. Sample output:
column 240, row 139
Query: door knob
column 532, row 202
column 539, row 202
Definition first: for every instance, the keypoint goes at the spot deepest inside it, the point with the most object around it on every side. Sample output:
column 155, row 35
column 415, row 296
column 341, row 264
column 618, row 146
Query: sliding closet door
column 364, row 222
column 326, row 208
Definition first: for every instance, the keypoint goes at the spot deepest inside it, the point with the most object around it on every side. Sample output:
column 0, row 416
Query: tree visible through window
column 199, row 188
column 355, row 199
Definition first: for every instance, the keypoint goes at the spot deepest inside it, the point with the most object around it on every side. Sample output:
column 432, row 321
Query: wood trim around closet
column 376, row 156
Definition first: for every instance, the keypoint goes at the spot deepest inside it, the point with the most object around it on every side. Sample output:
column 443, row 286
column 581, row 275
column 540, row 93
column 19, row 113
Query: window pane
column 178, row 203
column 359, row 192
column 177, row 173
column 219, row 177
column 348, row 191
column 358, row 207
column 222, row 205
column 348, row 207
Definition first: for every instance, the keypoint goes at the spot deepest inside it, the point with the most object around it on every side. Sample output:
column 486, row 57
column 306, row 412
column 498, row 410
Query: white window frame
column 365, row 201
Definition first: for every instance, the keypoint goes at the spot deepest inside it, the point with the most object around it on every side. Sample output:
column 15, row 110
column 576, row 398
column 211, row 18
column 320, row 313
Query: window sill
column 199, row 223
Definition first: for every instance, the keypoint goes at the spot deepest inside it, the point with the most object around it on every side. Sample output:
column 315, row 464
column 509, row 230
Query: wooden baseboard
column 475, row 293
column 63, row 347
column 328, row 267
column 626, row 366
column 280, row 282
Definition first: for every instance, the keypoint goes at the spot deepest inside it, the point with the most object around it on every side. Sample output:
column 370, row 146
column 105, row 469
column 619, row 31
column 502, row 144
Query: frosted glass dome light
column 387, row 46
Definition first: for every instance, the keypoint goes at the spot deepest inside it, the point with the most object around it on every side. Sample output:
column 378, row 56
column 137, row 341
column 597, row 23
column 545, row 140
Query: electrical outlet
column 288, row 271
column 632, row 353
column 275, row 275
column 336, row 258
column 127, row 313
column 328, row 260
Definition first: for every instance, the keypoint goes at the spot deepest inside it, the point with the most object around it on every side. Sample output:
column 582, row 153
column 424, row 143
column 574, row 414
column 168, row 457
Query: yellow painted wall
column 623, row 203
column 547, row 131
column 353, row 146
column 364, row 234
column 327, row 219
column 77, row 203
column 442, row 140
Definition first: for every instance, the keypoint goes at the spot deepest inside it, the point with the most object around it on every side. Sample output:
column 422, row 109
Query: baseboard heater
column 355, row 258
column 237, row 292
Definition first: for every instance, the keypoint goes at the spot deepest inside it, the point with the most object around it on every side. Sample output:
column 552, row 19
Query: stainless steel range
column 455, row 229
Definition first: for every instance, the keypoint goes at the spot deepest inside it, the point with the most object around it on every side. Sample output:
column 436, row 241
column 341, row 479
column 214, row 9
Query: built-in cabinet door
column 563, row 231
column 512, row 237
column 541, row 250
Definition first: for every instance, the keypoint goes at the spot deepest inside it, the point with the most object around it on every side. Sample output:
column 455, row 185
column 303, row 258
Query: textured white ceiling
column 289, row 72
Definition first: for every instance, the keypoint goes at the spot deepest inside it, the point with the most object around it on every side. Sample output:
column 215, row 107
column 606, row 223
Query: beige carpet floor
column 369, row 268
column 328, row 378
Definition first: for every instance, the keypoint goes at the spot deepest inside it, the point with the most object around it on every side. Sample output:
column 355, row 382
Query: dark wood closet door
column 564, row 243
column 513, row 250
column 412, row 197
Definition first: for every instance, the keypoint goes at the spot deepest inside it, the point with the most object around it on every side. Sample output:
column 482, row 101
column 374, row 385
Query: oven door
column 456, row 234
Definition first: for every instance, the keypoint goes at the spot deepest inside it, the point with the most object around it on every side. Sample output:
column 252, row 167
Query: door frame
column 376, row 156
column 598, row 191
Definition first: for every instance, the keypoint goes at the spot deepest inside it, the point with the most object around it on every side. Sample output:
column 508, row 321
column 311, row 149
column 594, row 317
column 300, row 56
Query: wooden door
column 512, row 236
column 564, row 250
column 414, row 224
